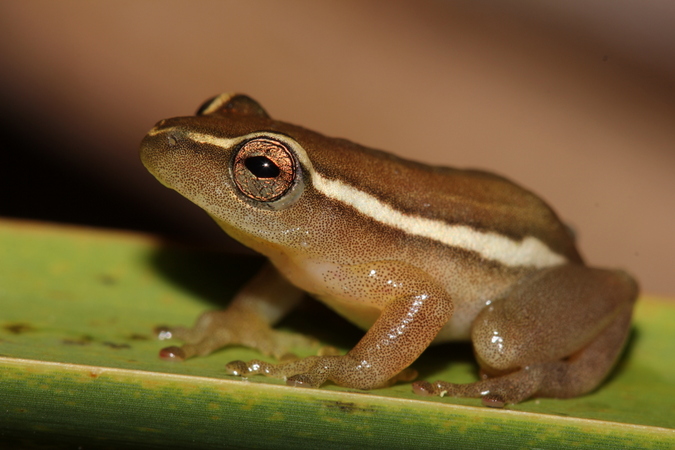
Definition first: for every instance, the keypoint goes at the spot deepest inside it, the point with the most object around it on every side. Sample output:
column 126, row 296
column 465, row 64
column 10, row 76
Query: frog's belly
column 309, row 276
column 364, row 316
column 360, row 314
column 458, row 327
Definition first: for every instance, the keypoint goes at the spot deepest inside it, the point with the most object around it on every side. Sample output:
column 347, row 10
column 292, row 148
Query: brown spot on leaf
column 116, row 346
column 107, row 279
column 348, row 407
column 82, row 340
column 18, row 328
column 138, row 337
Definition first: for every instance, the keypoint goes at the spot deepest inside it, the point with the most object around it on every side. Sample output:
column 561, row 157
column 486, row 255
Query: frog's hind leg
column 570, row 377
column 557, row 335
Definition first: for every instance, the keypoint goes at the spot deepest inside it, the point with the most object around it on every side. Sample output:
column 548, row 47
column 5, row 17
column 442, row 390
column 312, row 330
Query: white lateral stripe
column 224, row 143
column 528, row 252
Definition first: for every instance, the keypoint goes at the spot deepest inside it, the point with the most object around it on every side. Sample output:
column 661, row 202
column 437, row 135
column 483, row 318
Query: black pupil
column 262, row 167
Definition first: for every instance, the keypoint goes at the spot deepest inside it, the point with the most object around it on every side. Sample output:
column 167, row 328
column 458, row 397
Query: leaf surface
column 79, row 365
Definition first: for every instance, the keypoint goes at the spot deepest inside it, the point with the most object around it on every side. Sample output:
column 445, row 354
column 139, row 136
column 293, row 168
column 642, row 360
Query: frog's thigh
column 551, row 316
column 568, row 377
column 555, row 335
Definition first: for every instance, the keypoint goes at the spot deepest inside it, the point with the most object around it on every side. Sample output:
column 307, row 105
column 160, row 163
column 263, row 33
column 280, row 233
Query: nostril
column 171, row 138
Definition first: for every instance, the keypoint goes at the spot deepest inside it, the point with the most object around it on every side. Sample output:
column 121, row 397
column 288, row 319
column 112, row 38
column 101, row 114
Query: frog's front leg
column 414, row 309
column 247, row 321
column 556, row 334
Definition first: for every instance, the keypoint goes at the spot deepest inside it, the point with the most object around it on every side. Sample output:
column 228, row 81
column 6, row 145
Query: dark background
column 574, row 100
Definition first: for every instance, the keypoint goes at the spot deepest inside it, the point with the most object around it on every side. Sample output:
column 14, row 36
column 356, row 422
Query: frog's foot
column 314, row 371
column 217, row 329
column 494, row 392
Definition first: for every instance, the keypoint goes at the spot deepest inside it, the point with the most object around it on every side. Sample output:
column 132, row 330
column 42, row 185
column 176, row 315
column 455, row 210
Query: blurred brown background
column 574, row 100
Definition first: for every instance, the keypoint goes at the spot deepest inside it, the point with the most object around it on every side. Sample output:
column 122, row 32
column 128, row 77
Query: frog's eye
column 263, row 169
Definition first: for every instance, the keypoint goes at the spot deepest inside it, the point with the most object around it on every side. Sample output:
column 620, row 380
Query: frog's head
column 233, row 161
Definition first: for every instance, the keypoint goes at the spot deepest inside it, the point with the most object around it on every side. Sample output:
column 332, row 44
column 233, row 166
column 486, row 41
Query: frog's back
column 480, row 200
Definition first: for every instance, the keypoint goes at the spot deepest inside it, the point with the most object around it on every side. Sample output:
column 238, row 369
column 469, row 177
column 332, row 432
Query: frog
column 415, row 255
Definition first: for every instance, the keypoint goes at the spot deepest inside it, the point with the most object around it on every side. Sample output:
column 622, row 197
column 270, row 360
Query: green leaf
column 79, row 365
